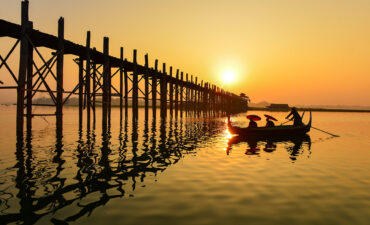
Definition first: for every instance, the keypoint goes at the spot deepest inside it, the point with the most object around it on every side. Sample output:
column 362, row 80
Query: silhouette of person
column 269, row 122
column 295, row 116
column 252, row 123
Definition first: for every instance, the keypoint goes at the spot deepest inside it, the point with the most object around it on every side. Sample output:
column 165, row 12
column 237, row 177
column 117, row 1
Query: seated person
column 252, row 124
column 269, row 123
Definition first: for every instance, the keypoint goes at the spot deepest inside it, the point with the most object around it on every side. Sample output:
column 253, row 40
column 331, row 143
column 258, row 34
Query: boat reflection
column 294, row 145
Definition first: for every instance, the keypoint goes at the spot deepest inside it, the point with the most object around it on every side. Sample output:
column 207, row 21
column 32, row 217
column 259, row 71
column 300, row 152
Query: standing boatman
column 295, row 116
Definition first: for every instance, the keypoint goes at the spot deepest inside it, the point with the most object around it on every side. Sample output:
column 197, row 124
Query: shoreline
column 309, row 109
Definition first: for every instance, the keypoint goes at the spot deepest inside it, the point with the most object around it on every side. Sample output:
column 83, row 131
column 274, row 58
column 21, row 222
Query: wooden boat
column 283, row 130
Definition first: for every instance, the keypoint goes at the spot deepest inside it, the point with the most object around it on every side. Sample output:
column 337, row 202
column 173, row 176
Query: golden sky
column 282, row 51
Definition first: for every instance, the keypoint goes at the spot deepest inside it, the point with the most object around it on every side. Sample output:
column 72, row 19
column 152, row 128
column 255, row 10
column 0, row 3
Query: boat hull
column 271, row 131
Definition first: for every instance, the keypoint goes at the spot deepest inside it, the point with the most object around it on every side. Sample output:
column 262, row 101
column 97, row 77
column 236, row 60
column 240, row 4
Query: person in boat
column 269, row 121
column 252, row 120
column 252, row 123
column 295, row 116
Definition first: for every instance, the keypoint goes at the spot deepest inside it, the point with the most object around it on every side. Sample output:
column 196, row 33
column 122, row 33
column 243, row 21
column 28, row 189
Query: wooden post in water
column 29, row 84
column 200, row 97
column 135, row 87
column 163, row 88
column 105, row 98
column 94, row 94
column 121, row 86
column 170, row 83
column 191, row 98
column 80, row 90
column 154, row 89
column 60, row 62
column 23, row 63
column 187, row 95
column 109, row 94
column 195, row 108
column 126, row 91
column 146, row 88
column 88, row 80
column 181, row 94
column 177, row 93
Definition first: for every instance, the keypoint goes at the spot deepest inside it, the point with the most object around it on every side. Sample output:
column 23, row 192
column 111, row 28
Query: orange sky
column 283, row 51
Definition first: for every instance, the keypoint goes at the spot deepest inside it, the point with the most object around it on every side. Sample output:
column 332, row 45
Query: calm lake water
column 185, row 171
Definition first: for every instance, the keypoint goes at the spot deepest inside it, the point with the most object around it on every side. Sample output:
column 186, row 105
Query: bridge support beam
column 88, row 81
column 135, row 89
column 154, row 89
column 146, row 88
column 105, row 98
column 163, row 88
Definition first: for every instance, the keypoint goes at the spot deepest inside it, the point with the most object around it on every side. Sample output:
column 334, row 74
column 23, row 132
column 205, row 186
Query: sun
column 228, row 76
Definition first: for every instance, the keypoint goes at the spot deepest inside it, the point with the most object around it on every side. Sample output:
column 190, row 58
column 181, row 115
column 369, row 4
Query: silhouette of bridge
column 177, row 92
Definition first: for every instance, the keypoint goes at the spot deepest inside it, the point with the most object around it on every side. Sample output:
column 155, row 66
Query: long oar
column 285, row 122
column 325, row 131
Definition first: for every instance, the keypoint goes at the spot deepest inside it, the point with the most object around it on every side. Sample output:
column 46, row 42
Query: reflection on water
column 42, row 189
column 175, row 172
column 294, row 145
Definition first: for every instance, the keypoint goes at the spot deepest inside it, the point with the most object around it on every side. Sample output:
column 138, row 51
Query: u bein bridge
column 176, row 91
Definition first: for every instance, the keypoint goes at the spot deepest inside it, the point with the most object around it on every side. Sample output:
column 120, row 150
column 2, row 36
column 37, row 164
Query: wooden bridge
column 178, row 92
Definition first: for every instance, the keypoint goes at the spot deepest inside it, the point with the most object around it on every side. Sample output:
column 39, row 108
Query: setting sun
column 228, row 76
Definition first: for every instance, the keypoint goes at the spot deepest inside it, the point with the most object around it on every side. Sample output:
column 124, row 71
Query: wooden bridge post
column 191, row 96
column 94, row 93
column 196, row 96
column 170, row 83
column 105, row 85
column 29, row 84
column 176, row 86
column 181, row 94
column 23, row 63
column 154, row 89
column 80, row 90
column 60, row 62
column 214, row 100
column 109, row 95
column 135, row 88
column 187, row 94
column 163, row 88
column 88, row 80
column 126, row 91
column 121, row 86
column 146, row 91
column 222, row 102
column 205, row 99
column 177, row 93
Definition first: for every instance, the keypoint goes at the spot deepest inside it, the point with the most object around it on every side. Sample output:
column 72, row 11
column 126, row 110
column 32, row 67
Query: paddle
column 334, row 135
column 285, row 122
